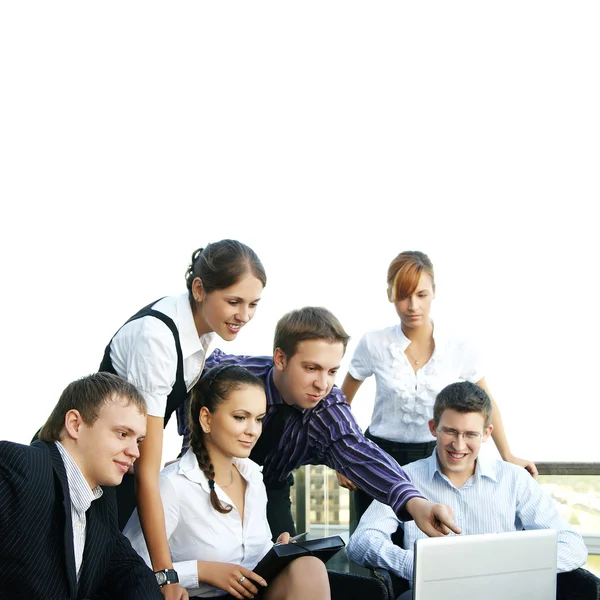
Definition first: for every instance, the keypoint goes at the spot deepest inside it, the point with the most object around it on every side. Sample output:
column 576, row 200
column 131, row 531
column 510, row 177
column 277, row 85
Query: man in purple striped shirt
column 308, row 421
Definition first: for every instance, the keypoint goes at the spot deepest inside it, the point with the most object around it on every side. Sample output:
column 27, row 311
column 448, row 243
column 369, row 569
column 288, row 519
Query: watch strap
column 166, row 576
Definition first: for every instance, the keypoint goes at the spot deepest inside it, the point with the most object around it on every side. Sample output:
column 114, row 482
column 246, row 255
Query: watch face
column 172, row 576
column 166, row 576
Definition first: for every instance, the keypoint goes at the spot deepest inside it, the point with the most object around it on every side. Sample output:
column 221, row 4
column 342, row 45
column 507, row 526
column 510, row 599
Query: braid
column 214, row 387
column 203, row 458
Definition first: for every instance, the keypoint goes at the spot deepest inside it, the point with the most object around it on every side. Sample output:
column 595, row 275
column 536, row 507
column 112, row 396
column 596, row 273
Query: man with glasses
column 486, row 495
column 308, row 421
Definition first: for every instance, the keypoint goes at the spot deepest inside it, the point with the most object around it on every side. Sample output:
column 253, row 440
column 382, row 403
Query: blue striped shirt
column 326, row 435
column 498, row 498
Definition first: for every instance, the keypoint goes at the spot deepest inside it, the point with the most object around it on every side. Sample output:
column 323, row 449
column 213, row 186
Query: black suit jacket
column 36, row 536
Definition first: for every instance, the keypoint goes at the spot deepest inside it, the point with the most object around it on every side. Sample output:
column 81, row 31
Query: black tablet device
column 281, row 555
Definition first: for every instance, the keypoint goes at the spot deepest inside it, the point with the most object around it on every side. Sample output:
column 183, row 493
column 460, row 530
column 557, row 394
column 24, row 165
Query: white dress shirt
column 404, row 399
column 499, row 497
column 196, row 531
column 82, row 497
column 143, row 352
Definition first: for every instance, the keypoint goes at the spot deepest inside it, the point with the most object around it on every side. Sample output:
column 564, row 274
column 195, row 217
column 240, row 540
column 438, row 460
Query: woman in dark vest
column 161, row 350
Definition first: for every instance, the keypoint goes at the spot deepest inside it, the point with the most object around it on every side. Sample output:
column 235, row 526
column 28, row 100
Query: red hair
column 404, row 273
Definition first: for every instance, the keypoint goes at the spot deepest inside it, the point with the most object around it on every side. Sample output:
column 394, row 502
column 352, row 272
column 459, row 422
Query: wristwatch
column 166, row 576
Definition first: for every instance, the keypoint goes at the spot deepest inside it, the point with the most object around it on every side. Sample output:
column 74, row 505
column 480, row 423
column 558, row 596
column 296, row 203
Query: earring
column 207, row 431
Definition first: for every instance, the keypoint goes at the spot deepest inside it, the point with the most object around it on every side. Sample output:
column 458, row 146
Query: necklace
column 230, row 482
column 418, row 362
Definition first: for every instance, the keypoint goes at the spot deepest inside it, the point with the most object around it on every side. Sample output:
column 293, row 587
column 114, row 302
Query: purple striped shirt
column 326, row 435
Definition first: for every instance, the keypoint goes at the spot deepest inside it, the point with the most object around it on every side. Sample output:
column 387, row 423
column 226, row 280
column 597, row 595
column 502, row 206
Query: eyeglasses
column 468, row 436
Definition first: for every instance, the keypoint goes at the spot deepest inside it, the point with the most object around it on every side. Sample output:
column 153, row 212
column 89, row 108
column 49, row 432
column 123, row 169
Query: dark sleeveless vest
column 126, row 500
column 179, row 392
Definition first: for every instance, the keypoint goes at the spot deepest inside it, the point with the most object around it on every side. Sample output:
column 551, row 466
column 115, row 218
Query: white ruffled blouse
column 404, row 399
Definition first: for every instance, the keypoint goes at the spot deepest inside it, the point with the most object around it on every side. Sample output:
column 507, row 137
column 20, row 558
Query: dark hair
column 87, row 396
column 463, row 397
column 214, row 388
column 222, row 264
column 404, row 273
column 308, row 323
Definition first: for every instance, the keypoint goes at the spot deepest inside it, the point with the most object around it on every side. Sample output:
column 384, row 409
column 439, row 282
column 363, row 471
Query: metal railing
column 575, row 469
column 568, row 468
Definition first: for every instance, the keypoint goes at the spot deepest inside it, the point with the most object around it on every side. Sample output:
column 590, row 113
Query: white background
column 328, row 136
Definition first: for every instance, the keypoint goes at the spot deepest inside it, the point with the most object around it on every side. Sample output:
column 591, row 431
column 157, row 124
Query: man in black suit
column 59, row 537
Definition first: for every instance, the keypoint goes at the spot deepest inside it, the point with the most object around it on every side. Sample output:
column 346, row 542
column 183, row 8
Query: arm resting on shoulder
column 499, row 436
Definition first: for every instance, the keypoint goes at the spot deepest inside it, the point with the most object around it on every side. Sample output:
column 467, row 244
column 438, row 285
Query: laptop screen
column 495, row 566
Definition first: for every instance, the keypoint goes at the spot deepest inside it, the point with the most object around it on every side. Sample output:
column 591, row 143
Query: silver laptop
column 495, row 566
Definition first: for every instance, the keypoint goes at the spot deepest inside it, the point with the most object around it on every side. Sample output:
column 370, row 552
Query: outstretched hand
column 234, row 579
column 432, row 519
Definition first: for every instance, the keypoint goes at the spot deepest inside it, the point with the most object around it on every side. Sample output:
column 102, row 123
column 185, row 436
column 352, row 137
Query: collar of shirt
column 484, row 467
column 273, row 395
column 80, row 492
column 189, row 468
column 438, row 335
column 191, row 342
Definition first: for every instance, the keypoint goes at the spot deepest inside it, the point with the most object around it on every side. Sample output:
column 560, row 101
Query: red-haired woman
column 412, row 362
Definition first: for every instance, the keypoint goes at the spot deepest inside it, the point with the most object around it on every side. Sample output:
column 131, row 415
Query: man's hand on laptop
column 433, row 519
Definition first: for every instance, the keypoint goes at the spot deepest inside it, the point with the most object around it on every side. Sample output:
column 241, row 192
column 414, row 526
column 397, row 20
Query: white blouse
column 404, row 399
column 144, row 353
column 196, row 531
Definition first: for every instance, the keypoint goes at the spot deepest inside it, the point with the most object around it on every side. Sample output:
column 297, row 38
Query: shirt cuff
column 403, row 496
column 407, row 566
column 155, row 405
column 188, row 573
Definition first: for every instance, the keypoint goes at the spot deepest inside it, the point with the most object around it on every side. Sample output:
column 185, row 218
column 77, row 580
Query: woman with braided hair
column 215, row 501
column 161, row 350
